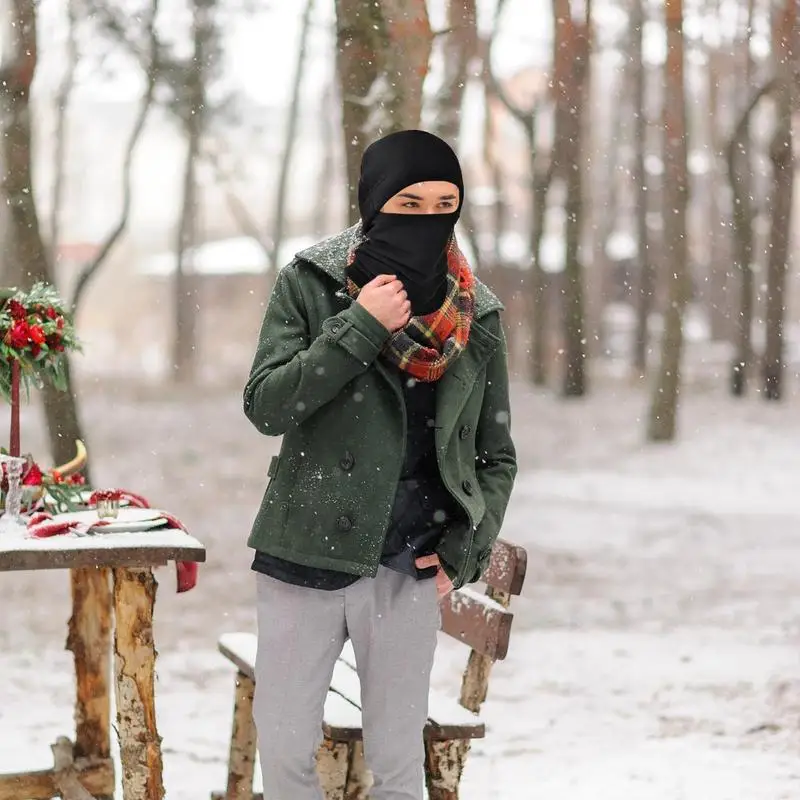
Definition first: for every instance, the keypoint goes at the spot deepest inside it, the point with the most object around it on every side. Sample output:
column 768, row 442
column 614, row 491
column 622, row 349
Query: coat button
column 347, row 461
column 344, row 523
column 465, row 431
column 467, row 487
column 336, row 325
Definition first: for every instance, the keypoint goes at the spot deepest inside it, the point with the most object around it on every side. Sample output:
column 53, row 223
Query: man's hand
column 443, row 584
column 386, row 299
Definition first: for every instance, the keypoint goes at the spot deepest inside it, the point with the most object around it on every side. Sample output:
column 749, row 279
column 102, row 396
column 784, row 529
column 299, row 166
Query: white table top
column 65, row 551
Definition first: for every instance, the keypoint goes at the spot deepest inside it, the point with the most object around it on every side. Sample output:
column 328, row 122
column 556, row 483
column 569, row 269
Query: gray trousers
column 392, row 620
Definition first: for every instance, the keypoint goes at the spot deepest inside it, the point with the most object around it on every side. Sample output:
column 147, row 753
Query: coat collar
column 330, row 256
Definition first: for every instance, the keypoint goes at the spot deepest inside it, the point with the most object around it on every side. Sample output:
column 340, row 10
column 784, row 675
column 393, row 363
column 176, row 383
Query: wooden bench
column 480, row 620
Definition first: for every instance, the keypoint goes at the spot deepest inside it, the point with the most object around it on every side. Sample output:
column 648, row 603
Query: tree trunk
column 741, row 182
column 359, row 36
column 740, row 175
column 134, row 660
column 460, row 49
column 327, row 167
column 571, row 71
column 63, row 97
column 186, row 300
column 785, row 38
column 288, row 146
column 647, row 278
column 26, row 245
column 538, row 293
column 406, row 53
column 663, row 409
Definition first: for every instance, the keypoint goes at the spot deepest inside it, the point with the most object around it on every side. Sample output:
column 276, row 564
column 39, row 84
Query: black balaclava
column 411, row 246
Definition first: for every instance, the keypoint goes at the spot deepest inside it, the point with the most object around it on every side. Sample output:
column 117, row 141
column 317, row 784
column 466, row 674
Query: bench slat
column 240, row 648
column 507, row 567
column 477, row 621
column 447, row 718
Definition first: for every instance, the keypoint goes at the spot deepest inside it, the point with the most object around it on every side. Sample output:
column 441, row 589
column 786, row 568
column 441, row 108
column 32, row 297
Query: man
column 382, row 363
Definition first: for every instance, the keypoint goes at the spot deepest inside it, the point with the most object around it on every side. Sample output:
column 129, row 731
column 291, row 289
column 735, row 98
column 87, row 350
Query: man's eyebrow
column 417, row 197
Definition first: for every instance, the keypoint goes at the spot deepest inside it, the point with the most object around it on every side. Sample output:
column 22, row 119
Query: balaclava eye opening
column 411, row 246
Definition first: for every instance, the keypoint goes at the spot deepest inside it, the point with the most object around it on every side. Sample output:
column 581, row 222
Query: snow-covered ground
column 655, row 653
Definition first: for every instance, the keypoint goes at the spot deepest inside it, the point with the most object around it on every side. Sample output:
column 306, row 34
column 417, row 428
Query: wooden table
column 107, row 570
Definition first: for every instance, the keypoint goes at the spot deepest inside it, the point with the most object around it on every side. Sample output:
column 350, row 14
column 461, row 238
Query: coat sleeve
column 295, row 374
column 496, row 457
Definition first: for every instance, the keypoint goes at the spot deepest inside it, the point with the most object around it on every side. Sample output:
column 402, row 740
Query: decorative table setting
column 110, row 540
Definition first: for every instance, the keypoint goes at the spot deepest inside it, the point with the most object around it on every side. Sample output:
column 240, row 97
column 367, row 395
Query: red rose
column 77, row 479
column 33, row 477
column 19, row 334
column 36, row 333
column 60, row 323
column 51, row 313
column 16, row 309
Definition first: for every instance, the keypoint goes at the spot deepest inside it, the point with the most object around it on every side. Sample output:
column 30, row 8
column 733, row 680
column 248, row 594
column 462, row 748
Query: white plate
column 130, row 527
column 129, row 519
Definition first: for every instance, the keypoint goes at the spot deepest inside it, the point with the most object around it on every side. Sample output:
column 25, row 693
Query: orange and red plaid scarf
column 427, row 345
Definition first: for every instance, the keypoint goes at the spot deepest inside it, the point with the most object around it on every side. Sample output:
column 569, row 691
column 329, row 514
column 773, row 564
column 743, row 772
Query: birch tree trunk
column 662, row 421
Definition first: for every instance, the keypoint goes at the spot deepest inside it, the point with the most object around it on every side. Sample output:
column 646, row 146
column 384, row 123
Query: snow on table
column 66, row 551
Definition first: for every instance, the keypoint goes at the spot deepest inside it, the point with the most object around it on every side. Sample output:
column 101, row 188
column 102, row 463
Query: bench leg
column 444, row 763
column 332, row 766
column 242, row 758
column 359, row 779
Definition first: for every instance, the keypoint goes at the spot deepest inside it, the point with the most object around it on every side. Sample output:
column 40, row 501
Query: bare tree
column 460, row 46
column 664, row 405
column 541, row 174
column 739, row 164
column 28, row 249
column 359, row 39
column 383, row 50
column 406, row 54
column 786, row 46
column 149, row 59
column 193, row 112
column 645, row 292
column 571, row 59
column 279, row 220
column 322, row 195
column 63, row 97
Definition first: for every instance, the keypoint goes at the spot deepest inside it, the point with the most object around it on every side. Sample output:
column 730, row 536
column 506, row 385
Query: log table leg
column 134, row 651
column 89, row 640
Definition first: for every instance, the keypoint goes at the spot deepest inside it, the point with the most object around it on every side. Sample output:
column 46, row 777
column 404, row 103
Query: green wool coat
column 317, row 381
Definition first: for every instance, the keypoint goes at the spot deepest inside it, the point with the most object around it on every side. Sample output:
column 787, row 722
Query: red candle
column 13, row 444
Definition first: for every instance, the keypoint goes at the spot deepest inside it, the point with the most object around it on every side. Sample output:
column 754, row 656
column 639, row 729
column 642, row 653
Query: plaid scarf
column 429, row 344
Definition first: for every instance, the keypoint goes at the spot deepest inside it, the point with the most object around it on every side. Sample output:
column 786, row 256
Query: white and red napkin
column 42, row 525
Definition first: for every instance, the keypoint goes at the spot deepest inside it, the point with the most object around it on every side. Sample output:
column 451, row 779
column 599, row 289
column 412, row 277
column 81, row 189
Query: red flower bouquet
column 35, row 332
